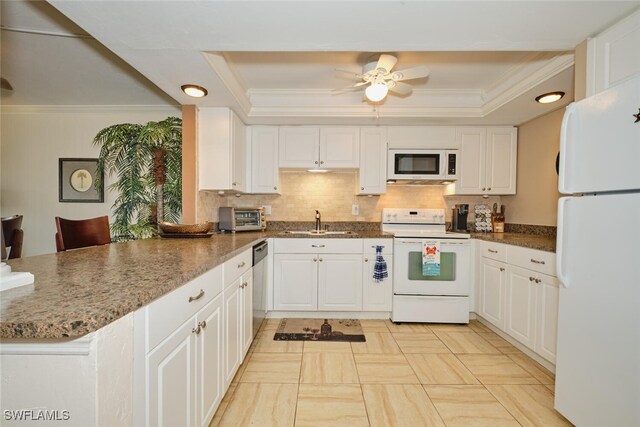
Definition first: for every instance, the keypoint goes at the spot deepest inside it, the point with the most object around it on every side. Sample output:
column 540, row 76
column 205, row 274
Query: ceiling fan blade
column 386, row 62
column 400, row 88
column 357, row 86
column 410, row 73
column 360, row 84
column 355, row 75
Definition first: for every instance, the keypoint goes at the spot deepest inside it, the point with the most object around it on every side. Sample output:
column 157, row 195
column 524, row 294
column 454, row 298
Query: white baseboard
column 384, row 315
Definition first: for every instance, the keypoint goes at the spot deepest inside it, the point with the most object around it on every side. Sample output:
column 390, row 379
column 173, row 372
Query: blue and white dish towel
column 431, row 258
column 380, row 267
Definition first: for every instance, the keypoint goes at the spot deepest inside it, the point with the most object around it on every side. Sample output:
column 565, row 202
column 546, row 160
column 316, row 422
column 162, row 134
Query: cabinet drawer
column 533, row 259
column 169, row 312
column 236, row 267
column 369, row 246
column 318, row 246
column 496, row 251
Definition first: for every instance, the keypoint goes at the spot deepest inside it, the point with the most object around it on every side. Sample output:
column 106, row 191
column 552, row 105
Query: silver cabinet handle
column 321, row 162
column 484, row 188
column 197, row 297
column 492, row 251
column 275, row 188
column 489, row 189
column 501, row 268
column 242, row 264
column 234, row 183
column 196, row 330
column 315, row 260
column 203, row 324
column 366, row 260
column 244, row 285
column 317, row 246
column 374, row 246
column 535, row 261
column 320, row 259
column 538, row 280
column 362, row 188
column 316, row 162
column 531, row 279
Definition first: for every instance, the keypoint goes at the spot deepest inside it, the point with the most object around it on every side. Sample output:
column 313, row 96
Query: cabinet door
column 472, row 167
column 215, row 151
column 340, row 282
column 501, row 158
column 373, row 161
column 232, row 330
column 299, row 147
column 239, row 141
column 492, row 291
column 340, row 147
column 171, row 376
column 210, row 360
column 295, row 282
column 376, row 296
column 547, row 316
column 521, row 304
column 247, row 311
column 264, row 159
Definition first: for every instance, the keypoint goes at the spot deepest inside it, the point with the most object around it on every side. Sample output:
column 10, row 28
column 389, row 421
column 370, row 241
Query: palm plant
column 147, row 161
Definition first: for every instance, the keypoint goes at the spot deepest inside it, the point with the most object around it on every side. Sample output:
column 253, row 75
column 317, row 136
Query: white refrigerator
column 598, row 260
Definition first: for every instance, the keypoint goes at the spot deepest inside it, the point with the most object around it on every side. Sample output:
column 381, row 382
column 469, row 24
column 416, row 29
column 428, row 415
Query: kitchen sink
column 319, row 233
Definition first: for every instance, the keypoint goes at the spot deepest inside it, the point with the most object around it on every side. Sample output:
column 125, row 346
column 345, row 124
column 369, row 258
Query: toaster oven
column 241, row 219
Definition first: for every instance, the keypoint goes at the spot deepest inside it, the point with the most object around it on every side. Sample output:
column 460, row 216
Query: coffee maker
column 459, row 217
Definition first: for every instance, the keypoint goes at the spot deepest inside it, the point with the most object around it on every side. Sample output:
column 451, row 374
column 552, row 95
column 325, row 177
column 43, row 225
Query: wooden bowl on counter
column 173, row 228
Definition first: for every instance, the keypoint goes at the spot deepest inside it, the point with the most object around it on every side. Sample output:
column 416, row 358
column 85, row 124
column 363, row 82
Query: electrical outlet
column 267, row 209
column 355, row 209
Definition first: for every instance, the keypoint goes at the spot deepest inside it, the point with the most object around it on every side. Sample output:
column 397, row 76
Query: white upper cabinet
column 429, row 137
column 222, row 153
column 340, row 147
column 488, row 159
column 613, row 56
column 299, row 147
column 313, row 147
column 264, row 159
column 373, row 161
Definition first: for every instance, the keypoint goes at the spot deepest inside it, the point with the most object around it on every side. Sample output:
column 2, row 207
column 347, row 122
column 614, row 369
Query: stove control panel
column 412, row 216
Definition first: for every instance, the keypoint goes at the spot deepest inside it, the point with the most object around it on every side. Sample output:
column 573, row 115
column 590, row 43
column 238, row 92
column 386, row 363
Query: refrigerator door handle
column 562, row 203
column 564, row 148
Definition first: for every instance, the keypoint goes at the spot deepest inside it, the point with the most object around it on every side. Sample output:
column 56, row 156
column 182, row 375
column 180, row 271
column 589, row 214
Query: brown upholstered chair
column 74, row 234
column 13, row 235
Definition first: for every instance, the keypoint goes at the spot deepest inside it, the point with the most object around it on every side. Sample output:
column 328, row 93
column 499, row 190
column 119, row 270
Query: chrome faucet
column 318, row 225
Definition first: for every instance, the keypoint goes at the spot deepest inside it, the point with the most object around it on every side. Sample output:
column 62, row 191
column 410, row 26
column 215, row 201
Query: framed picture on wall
column 77, row 181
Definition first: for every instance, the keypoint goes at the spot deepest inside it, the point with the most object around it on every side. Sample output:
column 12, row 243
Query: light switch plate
column 355, row 209
column 267, row 209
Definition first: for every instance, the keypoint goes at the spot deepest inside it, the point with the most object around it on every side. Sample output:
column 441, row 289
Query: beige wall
column 580, row 67
column 537, row 186
column 189, row 164
column 32, row 141
column 333, row 194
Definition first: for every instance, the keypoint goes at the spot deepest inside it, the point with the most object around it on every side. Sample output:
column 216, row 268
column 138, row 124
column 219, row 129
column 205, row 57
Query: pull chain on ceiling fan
column 381, row 79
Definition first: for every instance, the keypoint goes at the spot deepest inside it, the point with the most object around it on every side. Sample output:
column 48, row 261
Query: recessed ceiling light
column 550, row 97
column 194, row 91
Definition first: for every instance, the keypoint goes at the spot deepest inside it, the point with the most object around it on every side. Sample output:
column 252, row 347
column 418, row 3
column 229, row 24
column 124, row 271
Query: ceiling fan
column 380, row 79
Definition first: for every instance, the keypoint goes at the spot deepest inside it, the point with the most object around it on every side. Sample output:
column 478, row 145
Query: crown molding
column 220, row 65
column 364, row 111
column 86, row 109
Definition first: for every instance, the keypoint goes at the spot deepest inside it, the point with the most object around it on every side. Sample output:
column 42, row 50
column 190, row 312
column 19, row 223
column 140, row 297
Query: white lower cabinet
column 376, row 296
column 171, row 370
column 518, row 297
column 210, row 360
column 521, row 305
column 232, row 329
column 247, row 311
column 491, row 298
column 295, row 282
column 339, row 282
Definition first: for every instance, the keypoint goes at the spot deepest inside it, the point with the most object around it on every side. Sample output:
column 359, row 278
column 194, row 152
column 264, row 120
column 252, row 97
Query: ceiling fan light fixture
column 550, row 97
column 376, row 92
column 194, row 91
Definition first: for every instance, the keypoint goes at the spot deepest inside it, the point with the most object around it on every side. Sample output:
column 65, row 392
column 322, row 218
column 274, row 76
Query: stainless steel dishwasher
column 260, row 252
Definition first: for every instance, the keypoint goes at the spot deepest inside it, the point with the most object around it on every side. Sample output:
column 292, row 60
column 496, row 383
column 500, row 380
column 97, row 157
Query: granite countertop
column 78, row 292
column 533, row 241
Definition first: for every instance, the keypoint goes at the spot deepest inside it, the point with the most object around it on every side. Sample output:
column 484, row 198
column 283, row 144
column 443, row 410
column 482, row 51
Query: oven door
column 455, row 268
column 416, row 164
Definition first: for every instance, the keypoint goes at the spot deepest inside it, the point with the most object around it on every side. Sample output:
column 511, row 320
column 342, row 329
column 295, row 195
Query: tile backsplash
column 333, row 194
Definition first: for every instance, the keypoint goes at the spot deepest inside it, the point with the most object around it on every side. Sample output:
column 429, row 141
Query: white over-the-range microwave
column 422, row 165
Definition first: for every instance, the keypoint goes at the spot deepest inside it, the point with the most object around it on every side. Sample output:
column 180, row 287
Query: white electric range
column 442, row 298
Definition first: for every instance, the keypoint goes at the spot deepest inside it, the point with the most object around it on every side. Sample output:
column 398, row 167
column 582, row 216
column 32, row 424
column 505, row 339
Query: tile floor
column 404, row 375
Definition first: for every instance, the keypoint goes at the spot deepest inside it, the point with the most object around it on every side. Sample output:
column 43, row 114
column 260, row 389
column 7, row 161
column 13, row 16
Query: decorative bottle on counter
column 325, row 329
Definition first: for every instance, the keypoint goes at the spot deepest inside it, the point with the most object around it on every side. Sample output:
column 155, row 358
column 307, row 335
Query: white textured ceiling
column 273, row 61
